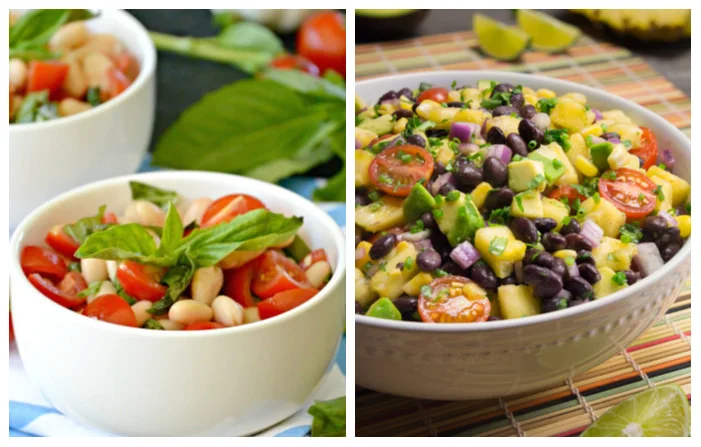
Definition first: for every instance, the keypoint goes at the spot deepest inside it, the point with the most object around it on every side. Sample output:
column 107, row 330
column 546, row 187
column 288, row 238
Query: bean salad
column 498, row 201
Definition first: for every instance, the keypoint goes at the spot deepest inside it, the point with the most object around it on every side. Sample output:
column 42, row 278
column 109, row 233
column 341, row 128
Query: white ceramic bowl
column 51, row 157
column 493, row 359
column 136, row 382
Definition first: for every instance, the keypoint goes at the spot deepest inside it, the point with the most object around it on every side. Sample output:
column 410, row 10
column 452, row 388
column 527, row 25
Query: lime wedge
column 660, row 411
column 499, row 40
column 547, row 33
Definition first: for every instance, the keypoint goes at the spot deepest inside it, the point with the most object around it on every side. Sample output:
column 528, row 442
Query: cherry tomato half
column 284, row 301
column 203, row 326
column 295, row 62
column 60, row 241
column 43, row 75
column 277, row 273
column 110, row 218
column 447, row 302
column 44, row 261
column 396, row 170
column 438, row 94
column 118, row 82
column 141, row 281
column 648, row 148
column 566, row 192
column 49, row 289
column 112, row 309
column 315, row 256
column 237, row 284
column 631, row 192
column 322, row 40
column 228, row 207
column 126, row 63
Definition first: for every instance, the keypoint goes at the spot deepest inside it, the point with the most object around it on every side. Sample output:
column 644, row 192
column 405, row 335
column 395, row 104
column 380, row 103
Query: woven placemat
column 660, row 355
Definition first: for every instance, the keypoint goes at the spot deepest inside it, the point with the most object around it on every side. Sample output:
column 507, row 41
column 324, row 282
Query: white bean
column 15, row 102
column 112, row 267
column 69, row 36
column 206, row 284
column 93, row 269
column 189, row 311
column 238, row 258
column 145, row 213
column 196, row 210
column 170, row 325
column 95, row 67
column 70, row 106
column 106, row 288
column 317, row 273
column 227, row 311
column 250, row 315
column 75, row 83
column 140, row 313
column 18, row 74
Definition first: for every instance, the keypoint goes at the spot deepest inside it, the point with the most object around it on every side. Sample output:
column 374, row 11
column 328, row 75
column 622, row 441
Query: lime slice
column 547, row 33
column 499, row 40
column 660, row 411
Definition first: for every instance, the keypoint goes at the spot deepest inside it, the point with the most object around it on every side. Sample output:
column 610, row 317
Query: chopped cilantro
column 609, row 175
column 627, row 143
column 619, row 278
column 631, row 233
column 561, row 303
column 374, row 196
column 383, row 266
column 426, row 291
column 569, row 260
column 560, row 136
column 439, row 199
column 498, row 245
column 438, row 214
column 439, row 273
column 409, row 263
column 499, row 216
column 662, row 166
column 537, row 180
column 453, row 196
column 453, row 85
column 517, row 157
column 658, row 192
column 557, row 164
column 604, row 127
column 596, row 197
column 641, row 198
column 519, row 202
column 545, row 105
column 425, row 86
column 532, row 144
column 417, row 227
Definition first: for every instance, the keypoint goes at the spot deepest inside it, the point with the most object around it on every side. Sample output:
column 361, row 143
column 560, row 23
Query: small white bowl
column 51, row 157
column 136, row 382
column 500, row 358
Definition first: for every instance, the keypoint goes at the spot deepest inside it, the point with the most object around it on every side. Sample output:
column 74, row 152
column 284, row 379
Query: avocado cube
column 526, row 174
column 554, row 166
column 527, row 204
column 382, row 215
column 384, row 308
column 600, row 153
column 517, row 302
column 605, row 214
column 459, row 219
column 418, row 202
column 379, row 126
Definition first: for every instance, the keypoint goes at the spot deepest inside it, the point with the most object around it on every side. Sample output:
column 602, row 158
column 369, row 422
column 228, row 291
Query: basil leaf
column 122, row 293
column 334, row 190
column 153, row 324
column 158, row 196
column 251, row 36
column 329, row 418
column 36, row 27
column 93, row 96
column 91, row 290
column 172, row 232
column 31, row 103
column 177, row 278
column 46, row 112
column 306, row 84
column 32, row 54
column 124, row 242
column 86, row 226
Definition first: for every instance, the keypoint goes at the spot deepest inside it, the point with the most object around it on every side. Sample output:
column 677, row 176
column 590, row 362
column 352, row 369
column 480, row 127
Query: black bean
column 437, row 133
column 483, row 275
column 504, row 110
column 407, row 93
column 580, row 288
column 524, row 230
column 509, row 280
column 402, row 113
column 544, row 259
column 452, row 268
column 545, row 283
column 468, row 175
column 517, row 145
column 416, row 140
column 631, row 277
column 457, row 104
column 502, row 88
column 406, row 305
column 389, row 95
column 382, row 246
column 610, row 135
column 572, row 227
column 495, row 172
column 528, row 111
column 578, row 242
column 553, row 241
column 544, row 224
column 498, row 198
column 493, row 318
column 589, row 273
column 681, row 210
column 361, row 198
column 577, row 302
column 654, row 224
column 516, row 100
column 428, row 260
column 358, row 308
column 674, row 235
column 438, row 169
column 560, row 268
column 555, row 303
column 445, row 189
column 413, row 108
column 496, row 136
column 585, row 257
column 528, row 130
column 358, row 235
column 669, row 251
column 428, row 220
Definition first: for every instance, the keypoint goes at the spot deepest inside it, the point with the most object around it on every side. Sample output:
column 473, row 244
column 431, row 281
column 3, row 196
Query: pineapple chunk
column 684, row 223
column 479, row 194
column 667, row 194
column 616, row 116
column 555, row 209
column 680, row 187
column 471, row 116
column 545, row 93
column 364, row 136
column 576, row 97
column 570, row 115
column 496, row 237
column 605, row 214
column 413, row 287
column 389, row 281
column 593, row 130
column 614, row 254
column 470, row 94
column 627, row 132
column 620, row 158
column 564, row 254
column 400, row 125
column 530, row 99
column 444, row 154
column 382, row 215
column 362, row 166
column 607, row 285
column 507, row 123
column 517, row 301
column 433, row 111
column 527, row 204
column 363, row 293
column 363, row 245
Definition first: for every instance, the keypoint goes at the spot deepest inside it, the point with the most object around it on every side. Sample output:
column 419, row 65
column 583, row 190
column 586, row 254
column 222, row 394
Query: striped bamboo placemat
column 660, row 355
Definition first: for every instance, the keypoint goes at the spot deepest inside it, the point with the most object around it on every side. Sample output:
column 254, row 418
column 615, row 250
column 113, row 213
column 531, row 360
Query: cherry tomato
column 295, row 62
column 141, row 281
column 202, row 326
column 12, row 332
column 648, row 148
column 228, row 207
column 119, row 82
column 60, row 241
column 49, row 289
column 44, row 261
column 284, row 301
column 631, row 192
column 110, row 218
column 447, row 302
column 45, row 75
column 322, row 40
column 277, row 273
column 315, row 256
column 72, row 284
column 397, row 169
column 237, row 284
column 566, row 192
column 438, row 94
column 112, row 309
column 127, row 64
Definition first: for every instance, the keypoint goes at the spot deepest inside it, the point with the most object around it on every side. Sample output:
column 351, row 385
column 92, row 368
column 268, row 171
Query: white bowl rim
column 557, row 84
column 146, row 71
column 326, row 220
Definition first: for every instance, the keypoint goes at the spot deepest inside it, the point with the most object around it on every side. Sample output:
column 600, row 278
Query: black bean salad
column 500, row 201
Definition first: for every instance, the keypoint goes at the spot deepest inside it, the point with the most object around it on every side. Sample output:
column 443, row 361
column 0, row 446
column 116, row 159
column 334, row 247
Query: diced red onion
column 468, row 148
column 372, row 270
column 359, row 253
column 668, row 217
column 394, row 102
column 396, row 141
column 501, row 151
column 667, row 158
column 541, row 121
column 614, row 140
column 423, row 244
column 597, row 140
column 414, row 237
column 465, row 255
column 592, row 232
column 358, row 145
column 572, row 270
column 518, row 271
column 441, row 180
column 483, row 129
column 462, row 131
column 648, row 258
column 597, row 115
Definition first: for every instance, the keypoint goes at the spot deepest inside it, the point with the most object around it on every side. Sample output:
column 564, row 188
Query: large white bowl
column 484, row 360
column 51, row 157
column 128, row 381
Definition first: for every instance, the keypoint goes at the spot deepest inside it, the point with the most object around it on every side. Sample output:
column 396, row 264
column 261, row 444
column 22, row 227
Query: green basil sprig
column 158, row 196
column 33, row 30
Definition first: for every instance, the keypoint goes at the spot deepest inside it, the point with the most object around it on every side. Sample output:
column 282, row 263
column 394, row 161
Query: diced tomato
column 444, row 301
column 49, row 289
column 295, row 62
column 631, row 192
column 141, row 281
column 322, row 40
column 284, row 301
column 203, row 326
column 228, row 207
column 315, row 256
column 112, row 309
column 127, row 64
column 110, row 218
column 119, row 82
column 237, row 284
column 277, row 273
column 648, row 148
column 45, row 75
column 62, row 242
column 43, row 261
